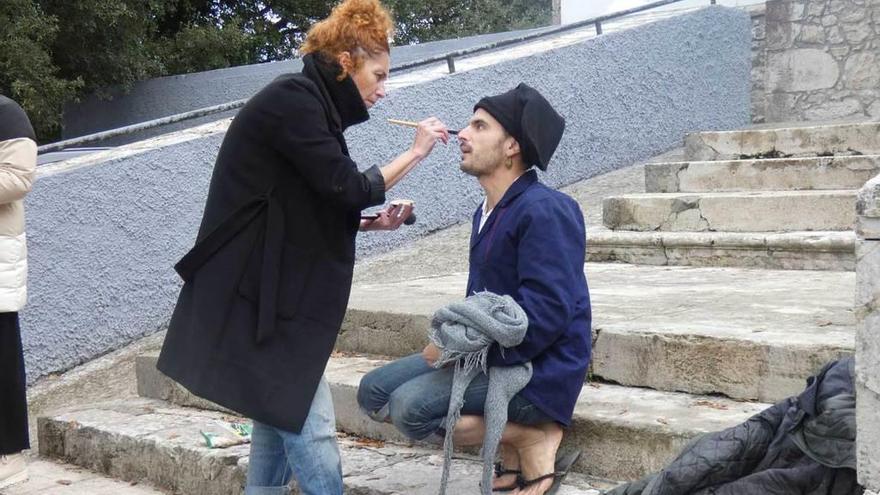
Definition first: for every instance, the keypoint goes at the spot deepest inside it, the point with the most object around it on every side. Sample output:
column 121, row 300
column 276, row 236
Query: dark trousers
column 13, row 389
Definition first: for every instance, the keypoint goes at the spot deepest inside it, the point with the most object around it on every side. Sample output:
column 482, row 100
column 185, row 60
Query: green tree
column 105, row 42
column 52, row 51
column 430, row 20
column 27, row 72
column 198, row 48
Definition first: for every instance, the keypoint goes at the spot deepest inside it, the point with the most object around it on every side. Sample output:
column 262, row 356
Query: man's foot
column 505, row 478
column 537, row 448
column 507, row 471
column 13, row 470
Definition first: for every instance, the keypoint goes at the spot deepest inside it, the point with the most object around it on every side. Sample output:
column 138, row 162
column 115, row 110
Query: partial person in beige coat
column 18, row 164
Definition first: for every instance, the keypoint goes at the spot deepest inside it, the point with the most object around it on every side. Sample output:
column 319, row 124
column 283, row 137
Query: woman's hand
column 428, row 133
column 391, row 218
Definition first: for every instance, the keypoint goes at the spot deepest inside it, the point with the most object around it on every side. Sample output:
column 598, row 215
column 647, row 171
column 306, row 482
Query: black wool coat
column 268, row 280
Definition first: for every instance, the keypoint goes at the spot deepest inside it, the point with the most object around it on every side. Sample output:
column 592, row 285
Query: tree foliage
column 54, row 51
column 27, row 72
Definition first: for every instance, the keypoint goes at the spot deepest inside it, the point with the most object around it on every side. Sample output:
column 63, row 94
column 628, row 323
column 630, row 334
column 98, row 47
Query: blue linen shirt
column 532, row 248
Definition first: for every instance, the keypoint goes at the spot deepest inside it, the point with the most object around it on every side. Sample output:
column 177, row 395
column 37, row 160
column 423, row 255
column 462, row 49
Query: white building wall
column 578, row 10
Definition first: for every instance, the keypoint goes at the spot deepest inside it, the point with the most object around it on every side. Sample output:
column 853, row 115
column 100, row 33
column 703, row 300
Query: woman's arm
column 428, row 133
column 310, row 147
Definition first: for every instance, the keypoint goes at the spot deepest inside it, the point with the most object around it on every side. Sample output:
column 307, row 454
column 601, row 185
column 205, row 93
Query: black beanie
column 530, row 119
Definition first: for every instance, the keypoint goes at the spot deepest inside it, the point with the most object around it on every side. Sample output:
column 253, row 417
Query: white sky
column 577, row 10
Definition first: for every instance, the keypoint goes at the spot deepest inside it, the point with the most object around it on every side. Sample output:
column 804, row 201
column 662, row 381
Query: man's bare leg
column 509, row 462
column 469, row 431
column 535, row 447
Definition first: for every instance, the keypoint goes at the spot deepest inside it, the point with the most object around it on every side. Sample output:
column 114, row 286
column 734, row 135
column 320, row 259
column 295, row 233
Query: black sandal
column 500, row 471
column 563, row 465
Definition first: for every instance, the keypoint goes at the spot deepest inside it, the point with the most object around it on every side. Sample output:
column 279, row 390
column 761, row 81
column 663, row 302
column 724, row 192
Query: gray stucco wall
column 104, row 237
column 164, row 96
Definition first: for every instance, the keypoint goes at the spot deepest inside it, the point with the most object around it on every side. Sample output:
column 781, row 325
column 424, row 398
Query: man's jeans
column 312, row 456
column 415, row 398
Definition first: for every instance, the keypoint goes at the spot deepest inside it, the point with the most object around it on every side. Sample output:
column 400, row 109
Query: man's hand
column 390, row 218
column 431, row 353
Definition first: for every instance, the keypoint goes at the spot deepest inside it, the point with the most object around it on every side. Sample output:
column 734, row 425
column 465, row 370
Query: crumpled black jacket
column 803, row 445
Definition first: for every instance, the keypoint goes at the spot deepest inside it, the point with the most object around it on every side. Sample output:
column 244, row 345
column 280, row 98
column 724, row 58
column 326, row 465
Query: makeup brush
column 408, row 123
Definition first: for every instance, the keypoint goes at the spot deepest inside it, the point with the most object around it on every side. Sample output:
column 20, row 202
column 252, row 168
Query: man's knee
column 413, row 416
column 370, row 396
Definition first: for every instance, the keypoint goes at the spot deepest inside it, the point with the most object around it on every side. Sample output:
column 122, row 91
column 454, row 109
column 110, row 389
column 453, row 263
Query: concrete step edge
column 725, row 249
column 824, row 241
column 808, row 194
column 753, row 211
column 796, row 173
column 858, row 138
column 625, row 432
column 150, row 440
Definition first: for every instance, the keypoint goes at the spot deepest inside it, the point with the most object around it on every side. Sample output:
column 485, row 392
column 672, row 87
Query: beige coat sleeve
column 18, row 166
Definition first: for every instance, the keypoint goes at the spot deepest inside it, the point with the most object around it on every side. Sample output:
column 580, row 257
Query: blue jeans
column 414, row 397
column 311, row 456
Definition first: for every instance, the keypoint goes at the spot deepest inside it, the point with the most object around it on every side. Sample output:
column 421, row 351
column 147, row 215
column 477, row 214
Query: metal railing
column 448, row 57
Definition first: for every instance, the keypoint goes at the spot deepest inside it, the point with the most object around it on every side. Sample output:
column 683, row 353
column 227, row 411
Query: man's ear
column 511, row 147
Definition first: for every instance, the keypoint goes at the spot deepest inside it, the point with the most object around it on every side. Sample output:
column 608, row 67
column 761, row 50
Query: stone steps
column 841, row 139
column 624, row 432
column 762, row 211
column 148, row 440
column 829, row 250
column 811, row 173
column 748, row 334
column 736, row 205
column 55, row 478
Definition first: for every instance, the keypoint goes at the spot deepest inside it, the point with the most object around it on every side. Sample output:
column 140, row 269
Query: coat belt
column 273, row 245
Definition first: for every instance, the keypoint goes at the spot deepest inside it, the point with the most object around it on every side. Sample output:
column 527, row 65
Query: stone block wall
column 820, row 62
column 867, row 309
column 759, row 63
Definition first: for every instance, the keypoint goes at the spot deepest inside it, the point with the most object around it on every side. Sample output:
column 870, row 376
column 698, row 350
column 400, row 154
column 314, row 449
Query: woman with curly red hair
column 267, row 282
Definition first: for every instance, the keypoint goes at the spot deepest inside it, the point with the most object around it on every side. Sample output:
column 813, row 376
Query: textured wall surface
column 102, row 241
column 867, row 310
column 164, row 96
column 822, row 60
column 759, row 63
column 104, row 236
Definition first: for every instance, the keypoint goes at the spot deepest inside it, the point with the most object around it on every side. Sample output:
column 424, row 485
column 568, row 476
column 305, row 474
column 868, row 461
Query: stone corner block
column 868, row 437
column 868, row 201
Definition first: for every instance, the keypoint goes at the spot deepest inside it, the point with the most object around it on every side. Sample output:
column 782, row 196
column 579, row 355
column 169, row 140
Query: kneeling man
column 528, row 242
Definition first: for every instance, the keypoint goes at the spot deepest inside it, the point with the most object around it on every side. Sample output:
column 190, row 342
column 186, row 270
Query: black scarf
column 344, row 95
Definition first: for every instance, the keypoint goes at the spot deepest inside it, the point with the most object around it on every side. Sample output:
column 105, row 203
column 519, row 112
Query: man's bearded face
column 482, row 144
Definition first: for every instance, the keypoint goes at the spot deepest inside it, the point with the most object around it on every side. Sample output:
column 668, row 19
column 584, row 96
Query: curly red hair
column 354, row 26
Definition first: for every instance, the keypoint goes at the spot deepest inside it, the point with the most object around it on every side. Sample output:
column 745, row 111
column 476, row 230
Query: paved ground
column 54, row 478
column 374, row 468
column 755, row 305
column 109, row 377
